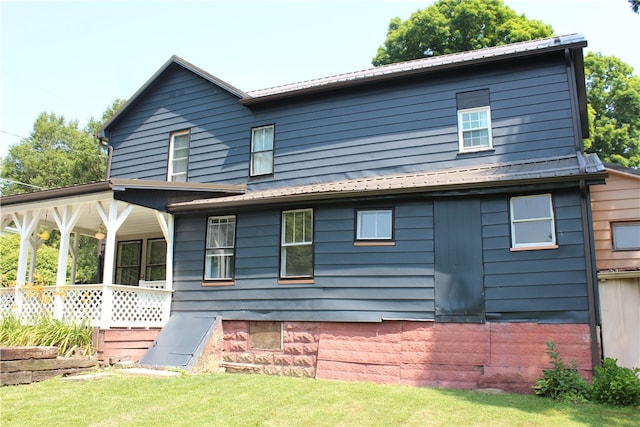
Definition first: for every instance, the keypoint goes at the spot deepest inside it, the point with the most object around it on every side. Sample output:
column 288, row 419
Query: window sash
column 262, row 150
column 374, row 224
column 156, row 260
column 475, row 129
column 626, row 236
column 532, row 221
column 220, row 247
column 179, row 157
column 297, row 243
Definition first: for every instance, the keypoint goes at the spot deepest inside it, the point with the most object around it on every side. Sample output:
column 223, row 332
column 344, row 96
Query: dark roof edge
column 116, row 184
column 147, row 85
column 333, row 195
column 577, row 43
column 613, row 167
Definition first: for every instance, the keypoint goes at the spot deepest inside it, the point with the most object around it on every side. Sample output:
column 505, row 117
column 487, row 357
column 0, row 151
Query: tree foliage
column 613, row 94
column 450, row 26
column 635, row 5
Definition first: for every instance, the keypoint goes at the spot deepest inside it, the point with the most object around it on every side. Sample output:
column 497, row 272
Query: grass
column 256, row 400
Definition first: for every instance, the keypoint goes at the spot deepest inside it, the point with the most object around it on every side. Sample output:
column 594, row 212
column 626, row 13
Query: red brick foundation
column 509, row 356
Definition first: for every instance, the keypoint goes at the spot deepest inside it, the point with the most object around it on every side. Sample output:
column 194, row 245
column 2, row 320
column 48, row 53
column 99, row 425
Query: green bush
column 70, row 338
column 562, row 382
column 616, row 385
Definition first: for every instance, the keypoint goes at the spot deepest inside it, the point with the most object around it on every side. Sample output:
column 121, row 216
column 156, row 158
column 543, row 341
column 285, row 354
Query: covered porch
column 129, row 219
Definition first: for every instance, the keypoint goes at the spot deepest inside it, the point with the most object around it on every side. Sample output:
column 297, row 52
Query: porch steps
column 117, row 345
column 185, row 338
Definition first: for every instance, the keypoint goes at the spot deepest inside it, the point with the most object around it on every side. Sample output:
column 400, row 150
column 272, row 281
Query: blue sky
column 74, row 58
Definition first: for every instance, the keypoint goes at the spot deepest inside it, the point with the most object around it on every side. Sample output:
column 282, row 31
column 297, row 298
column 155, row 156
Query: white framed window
column 221, row 240
column 374, row 224
column 178, row 156
column 474, row 129
column 532, row 221
column 626, row 236
column 156, row 260
column 262, row 150
column 296, row 257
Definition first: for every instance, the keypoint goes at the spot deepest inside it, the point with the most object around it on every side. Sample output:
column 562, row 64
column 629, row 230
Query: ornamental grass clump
column 72, row 339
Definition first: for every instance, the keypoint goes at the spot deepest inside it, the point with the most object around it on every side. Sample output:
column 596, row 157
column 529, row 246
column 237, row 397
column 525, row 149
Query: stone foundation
column 509, row 356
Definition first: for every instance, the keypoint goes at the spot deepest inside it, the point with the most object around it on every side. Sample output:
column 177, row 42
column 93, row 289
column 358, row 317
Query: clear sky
column 74, row 58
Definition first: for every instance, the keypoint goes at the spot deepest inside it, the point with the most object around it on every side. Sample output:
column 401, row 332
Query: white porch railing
column 105, row 306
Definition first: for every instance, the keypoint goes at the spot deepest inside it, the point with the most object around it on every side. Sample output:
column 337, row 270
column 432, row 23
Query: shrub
column 562, row 382
column 616, row 385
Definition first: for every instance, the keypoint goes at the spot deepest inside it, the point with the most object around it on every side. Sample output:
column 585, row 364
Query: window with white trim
column 474, row 129
column 626, row 236
column 262, row 150
column 221, row 240
column 374, row 224
column 297, row 244
column 532, row 221
column 178, row 156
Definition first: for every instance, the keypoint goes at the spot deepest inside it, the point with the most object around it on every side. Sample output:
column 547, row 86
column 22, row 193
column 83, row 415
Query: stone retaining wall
column 24, row 365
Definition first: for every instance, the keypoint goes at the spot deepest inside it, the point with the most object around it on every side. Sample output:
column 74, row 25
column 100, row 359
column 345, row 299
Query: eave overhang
column 535, row 172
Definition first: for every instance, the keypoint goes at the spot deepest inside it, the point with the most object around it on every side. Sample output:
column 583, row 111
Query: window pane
column 262, row 139
column 476, row 138
column 262, row 163
column 180, row 165
column 180, row 142
column 374, row 224
column 297, row 260
column 626, row 236
column 156, row 251
column 221, row 232
column 533, row 232
column 219, row 264
column 531, row 207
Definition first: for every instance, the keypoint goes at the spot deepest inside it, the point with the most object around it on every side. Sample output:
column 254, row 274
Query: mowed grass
column 257, row 400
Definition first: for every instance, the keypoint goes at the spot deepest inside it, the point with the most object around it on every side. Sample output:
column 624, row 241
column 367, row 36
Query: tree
column 450, row 26
column 613, row 94
column 635, row 5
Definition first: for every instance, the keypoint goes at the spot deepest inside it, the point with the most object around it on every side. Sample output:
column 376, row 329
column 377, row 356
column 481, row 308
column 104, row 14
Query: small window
column 128, row 262
column 374, row 224
column 474, row 129
column 532, row 222
column 156, row 265
column 178, row 156
column 221, row 240
column 297, row 243
column 262, row 150
column 626, row 236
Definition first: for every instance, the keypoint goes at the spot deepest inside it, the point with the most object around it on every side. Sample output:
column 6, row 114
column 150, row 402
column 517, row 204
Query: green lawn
column 256, row 400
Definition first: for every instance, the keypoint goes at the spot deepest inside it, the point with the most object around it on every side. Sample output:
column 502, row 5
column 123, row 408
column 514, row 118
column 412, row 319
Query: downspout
column 105, row 143
column 587, row 224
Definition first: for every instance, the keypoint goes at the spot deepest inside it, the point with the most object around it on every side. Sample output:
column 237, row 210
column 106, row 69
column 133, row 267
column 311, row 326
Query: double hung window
column 297, row 244
column 178, row 156
column 262, row 150
column 474, row 121
column 532, row 222
column 221, row 239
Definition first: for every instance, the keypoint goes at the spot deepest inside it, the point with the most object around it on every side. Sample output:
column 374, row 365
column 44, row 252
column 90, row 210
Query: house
column 422, row 223
column 616, row 224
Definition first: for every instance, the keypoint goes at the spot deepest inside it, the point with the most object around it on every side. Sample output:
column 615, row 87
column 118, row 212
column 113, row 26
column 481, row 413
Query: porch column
column 73, row 250
column 166, row 225
column 66, row 218
column 26, row 225
column 35, row 242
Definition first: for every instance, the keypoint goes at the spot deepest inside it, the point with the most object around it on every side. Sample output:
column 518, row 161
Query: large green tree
column 450, row 26
column 613, row 94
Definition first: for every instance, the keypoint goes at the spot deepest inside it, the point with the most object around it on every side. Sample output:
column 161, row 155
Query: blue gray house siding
column 372, row 283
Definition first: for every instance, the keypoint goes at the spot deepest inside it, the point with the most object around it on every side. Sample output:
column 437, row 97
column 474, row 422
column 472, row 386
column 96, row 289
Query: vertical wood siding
column 618, row 200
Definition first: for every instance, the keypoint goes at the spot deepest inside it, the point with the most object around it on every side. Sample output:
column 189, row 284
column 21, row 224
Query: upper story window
column 178, row 156
column 221, row 240
column 297, row 244
column 262, row 150
column 474, row 121
column 626, row 236
column 374, row 224
column 532, row 222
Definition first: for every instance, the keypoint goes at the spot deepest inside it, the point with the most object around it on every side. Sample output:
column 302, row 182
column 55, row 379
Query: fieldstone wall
column 24, row 365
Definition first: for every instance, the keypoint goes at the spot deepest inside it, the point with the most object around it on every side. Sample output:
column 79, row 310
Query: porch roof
column 145, row 195
column 538, row 171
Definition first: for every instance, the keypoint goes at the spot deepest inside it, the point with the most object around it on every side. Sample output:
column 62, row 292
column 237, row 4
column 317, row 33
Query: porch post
column 166, row 225
column 73, row 250
column 112, row 221
column 66, row 218
column 26, row 225
column 35, row 242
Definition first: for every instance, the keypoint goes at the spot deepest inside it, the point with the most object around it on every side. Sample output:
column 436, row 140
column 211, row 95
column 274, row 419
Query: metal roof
column 491, row 175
